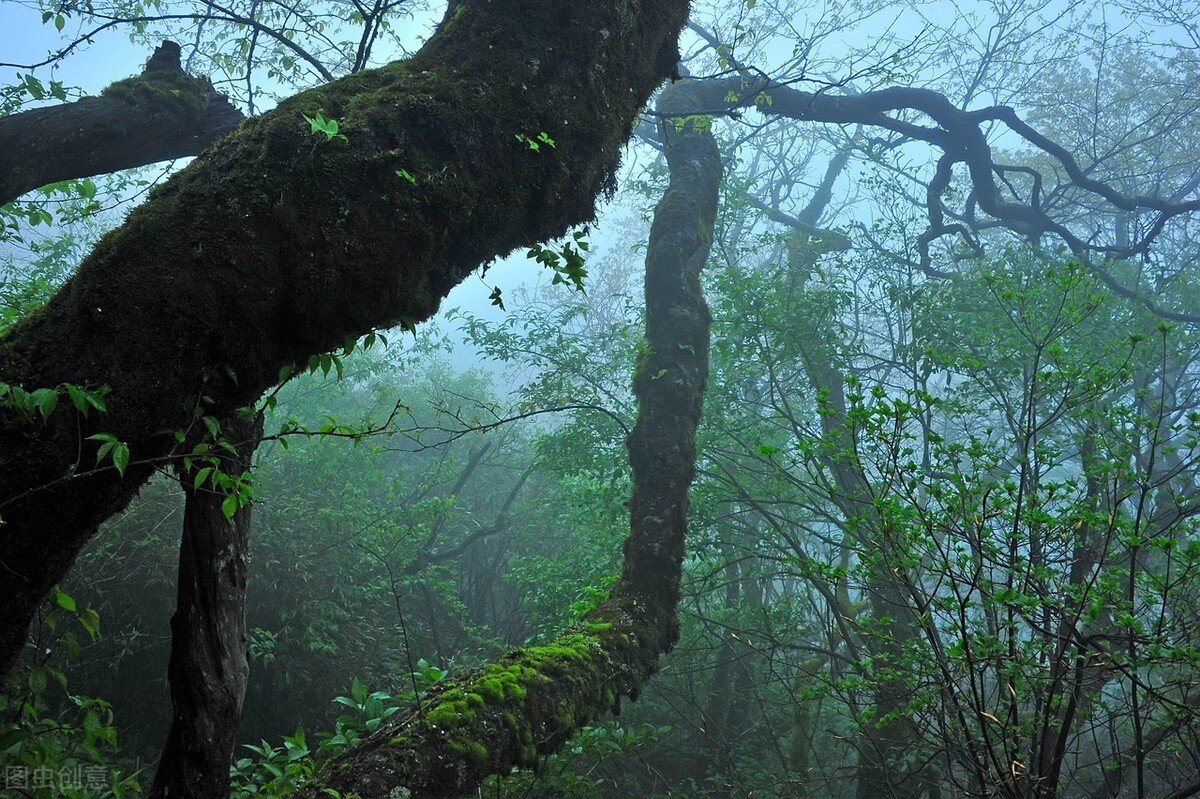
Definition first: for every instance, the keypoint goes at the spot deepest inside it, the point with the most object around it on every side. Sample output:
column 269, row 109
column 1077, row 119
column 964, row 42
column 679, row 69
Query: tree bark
column 280, row 243
column 163, row 113
column 209, row 667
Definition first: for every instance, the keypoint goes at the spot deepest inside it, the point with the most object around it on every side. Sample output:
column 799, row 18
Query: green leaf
column 201, row 477
column 90, row 620
column 120, row 457
column 230, row 506
column 213, row 425
column 46, row 400
column 78, row 399
column 34, row 87
column 110, row 445
column 37, row 681
column 64, row 600
column 319, row 124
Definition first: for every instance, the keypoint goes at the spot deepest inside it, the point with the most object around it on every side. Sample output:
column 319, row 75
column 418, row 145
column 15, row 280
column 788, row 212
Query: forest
column 605, row 400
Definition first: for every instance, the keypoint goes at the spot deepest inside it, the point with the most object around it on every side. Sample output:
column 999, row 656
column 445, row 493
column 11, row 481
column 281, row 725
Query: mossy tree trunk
column 530, row 701
column 278, row 243
column 161, row 114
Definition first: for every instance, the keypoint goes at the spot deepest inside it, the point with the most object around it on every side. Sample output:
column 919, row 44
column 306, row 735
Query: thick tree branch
column 163, row 113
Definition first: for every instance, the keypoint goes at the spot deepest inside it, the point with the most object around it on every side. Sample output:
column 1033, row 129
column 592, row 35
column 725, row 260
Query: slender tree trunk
column 805, row 712
column 716, row 758
column 887, row 751
column 886, row 748
column 208, row 669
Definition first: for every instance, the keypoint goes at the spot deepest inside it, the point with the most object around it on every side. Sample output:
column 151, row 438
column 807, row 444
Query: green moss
column 171, row 91
column 503, row 683
column 492, row 689
column 449, row 715
column 571, row 647
column 471, row 750
column 528, row 756
column 515, row 710
column 454, row 16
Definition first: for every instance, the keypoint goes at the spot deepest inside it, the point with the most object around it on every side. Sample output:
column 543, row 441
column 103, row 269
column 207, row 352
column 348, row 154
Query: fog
column 941, row 525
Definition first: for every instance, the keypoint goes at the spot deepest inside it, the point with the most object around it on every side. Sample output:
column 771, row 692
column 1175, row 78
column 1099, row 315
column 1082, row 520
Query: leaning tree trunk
column 279, row 243
column 530, row 701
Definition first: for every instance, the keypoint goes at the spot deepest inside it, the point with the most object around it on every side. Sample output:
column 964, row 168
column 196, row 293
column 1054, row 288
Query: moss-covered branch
column 532, row 700
column 163, row 113
column 279, row 243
